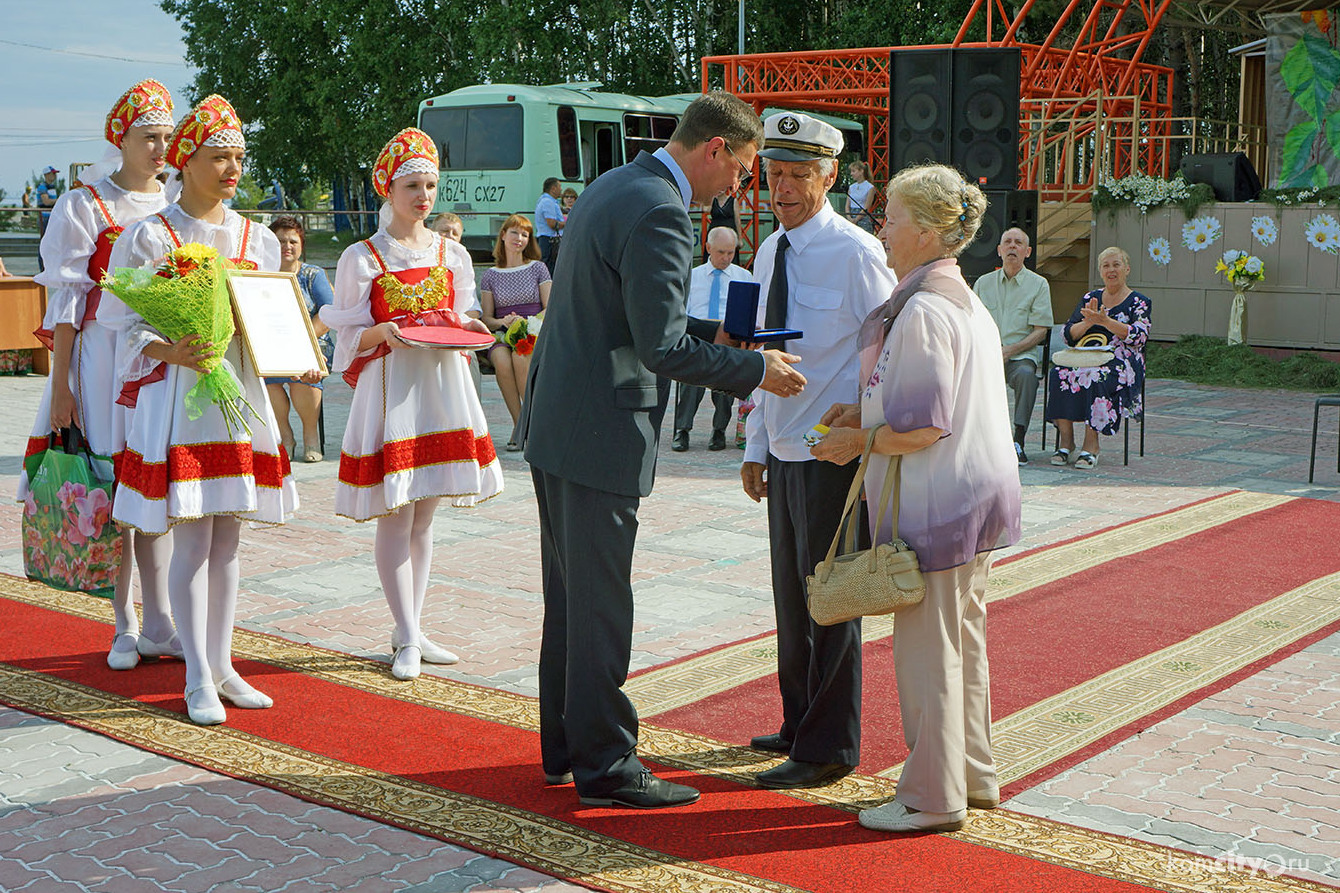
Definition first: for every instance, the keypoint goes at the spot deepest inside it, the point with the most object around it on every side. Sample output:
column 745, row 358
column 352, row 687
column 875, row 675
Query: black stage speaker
column 1231, row 175
column 1005, row 209
column 984, row 144
column 919, row 107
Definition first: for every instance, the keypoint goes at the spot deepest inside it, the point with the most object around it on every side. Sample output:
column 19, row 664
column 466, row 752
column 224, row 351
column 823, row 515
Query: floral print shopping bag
column 69, row 539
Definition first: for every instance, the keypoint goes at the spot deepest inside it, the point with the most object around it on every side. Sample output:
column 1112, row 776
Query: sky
column 63, row 63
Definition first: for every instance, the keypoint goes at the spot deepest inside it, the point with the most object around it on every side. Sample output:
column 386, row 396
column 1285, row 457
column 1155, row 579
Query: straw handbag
column 878, row 580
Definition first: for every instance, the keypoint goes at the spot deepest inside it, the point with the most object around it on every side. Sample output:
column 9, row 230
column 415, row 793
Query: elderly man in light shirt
column 821, row 275
column 708, row 284
column 1020, row 301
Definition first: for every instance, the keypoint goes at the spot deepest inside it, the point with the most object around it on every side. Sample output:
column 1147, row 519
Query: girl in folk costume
column 416, row 432
column 85, row 223
column 199, row 476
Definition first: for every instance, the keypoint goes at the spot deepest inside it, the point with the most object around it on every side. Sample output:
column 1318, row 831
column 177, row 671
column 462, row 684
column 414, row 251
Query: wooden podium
column 23, row 304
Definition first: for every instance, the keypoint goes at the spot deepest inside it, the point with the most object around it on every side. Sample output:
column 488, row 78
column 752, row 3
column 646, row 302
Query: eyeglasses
column 747, row 177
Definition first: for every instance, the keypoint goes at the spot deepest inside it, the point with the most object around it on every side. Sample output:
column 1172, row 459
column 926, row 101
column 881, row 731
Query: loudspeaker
column 1005, row 209
column 1231, row 175
column 957, row 107
column 919, row 107
column 984, row 144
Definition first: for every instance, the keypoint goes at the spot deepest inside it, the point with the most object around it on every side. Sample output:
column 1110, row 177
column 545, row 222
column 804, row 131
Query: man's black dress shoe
column 558, row 778
column 718, row 441
column 774, row 743
column 681, row 441
column 799, row 774
column 646, row 792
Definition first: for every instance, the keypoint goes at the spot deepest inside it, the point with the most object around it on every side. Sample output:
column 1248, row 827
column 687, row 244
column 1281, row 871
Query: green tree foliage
column 322, row 84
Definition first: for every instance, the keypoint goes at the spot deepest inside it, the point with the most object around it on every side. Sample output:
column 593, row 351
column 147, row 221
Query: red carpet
column 1059, row 635
column 763, row 835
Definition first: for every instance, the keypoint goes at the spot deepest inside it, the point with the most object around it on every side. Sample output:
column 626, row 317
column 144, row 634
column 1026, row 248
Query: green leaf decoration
column 1311, row 70
column 1295, row 169
column 1333, row 131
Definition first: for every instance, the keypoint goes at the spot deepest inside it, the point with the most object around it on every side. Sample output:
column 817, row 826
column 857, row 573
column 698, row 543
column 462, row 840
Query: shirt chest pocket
column 814, row 311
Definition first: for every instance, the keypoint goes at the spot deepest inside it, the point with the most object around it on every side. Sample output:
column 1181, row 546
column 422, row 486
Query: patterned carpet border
column 683, row 682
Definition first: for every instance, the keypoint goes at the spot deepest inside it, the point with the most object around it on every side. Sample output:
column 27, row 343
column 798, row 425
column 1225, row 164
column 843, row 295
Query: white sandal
column 1086, row 460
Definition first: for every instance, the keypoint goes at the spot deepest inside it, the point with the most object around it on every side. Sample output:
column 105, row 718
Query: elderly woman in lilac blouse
column 934, row 388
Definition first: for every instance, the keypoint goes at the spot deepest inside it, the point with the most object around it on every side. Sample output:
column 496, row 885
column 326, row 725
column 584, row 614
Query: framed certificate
column 272, row 317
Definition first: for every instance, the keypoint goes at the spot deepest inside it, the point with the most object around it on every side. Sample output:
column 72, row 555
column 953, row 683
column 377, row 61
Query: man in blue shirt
column 549, row 222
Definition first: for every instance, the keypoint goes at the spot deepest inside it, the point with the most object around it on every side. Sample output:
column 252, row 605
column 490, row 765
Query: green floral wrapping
column 188, row 295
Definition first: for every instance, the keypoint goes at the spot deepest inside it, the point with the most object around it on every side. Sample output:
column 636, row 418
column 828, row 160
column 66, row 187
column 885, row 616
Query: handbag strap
column 847, row 521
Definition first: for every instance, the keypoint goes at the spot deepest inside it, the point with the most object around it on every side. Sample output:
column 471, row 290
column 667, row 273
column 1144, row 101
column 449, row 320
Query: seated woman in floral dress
column 1101, row 396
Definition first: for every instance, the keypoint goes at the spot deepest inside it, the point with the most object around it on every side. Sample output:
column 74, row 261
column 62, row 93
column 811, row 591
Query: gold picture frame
column 272, row 318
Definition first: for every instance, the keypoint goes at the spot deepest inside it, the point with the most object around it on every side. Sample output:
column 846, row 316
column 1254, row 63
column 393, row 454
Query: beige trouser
column 944, row 690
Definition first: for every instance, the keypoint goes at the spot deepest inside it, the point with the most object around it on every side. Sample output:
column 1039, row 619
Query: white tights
column 404, row 552
column 150, row 555
column 202, row 586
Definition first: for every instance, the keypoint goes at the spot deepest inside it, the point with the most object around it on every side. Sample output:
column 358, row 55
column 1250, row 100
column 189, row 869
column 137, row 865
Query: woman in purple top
column 516, row 287
column 933, row 390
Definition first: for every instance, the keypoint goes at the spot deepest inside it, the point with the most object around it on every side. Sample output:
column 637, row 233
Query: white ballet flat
column 242, row 693
column 405, row 662
column 204, row 707
column 124, row 660
column 430, row 652
column 149, row 648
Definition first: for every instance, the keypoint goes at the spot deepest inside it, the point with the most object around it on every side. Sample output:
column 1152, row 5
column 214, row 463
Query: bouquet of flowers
column 1242, row 270
column 187, row 294
column 521, row 334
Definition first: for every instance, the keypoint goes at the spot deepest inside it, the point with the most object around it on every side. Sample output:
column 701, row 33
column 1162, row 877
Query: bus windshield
column 475, row 138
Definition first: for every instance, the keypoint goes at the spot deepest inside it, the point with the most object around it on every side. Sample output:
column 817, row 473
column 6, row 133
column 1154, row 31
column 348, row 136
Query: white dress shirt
column 700, row 289
column 836, row 275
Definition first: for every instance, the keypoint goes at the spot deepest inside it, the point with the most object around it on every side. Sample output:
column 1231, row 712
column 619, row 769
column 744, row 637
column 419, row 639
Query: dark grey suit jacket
column 616, row 330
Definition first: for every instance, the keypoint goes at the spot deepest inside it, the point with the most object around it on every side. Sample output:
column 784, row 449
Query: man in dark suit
column 614, row 334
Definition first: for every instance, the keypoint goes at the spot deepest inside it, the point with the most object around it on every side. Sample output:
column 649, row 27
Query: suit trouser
column 587, row 723
column 818, row 667
column 1022, row 377
column 944, row 691
column 687, row 398
column 548, row 251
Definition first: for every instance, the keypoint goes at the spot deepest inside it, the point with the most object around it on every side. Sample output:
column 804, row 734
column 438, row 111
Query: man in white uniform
column 821, row 275
column 707, row 300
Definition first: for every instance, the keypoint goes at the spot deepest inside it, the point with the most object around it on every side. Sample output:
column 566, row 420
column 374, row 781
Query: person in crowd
column 821, row 275
column 549, row 222
column 1020, row 301
column 724, row 211
column 1101, row 396
column 615, row 333
column 449, row 226
column 27, row 195
column 199, row 476
column 707, row 300
column 48, row 191
column 861, row 197
column 304, row 394
column 515, row 287
column 416, row 434
column 931, row 388
column 81, row 389
column 566, row 201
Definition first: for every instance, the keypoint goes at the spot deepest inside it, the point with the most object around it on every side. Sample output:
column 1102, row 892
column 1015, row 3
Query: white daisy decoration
column 1264, row 230
column 1324, row 233
column 1200, row 233
column 1160, row 252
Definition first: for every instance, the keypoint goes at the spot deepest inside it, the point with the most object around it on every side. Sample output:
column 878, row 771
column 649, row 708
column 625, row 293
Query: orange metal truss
column 1065, row 91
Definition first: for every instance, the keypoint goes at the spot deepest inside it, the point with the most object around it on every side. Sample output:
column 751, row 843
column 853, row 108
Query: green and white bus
column 498, row 143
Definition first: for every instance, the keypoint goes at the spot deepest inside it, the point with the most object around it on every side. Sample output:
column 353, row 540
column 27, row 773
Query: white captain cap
column 791, row 136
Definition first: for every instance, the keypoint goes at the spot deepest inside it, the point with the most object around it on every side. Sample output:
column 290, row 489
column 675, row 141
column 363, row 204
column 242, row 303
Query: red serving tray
column 445, row 337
